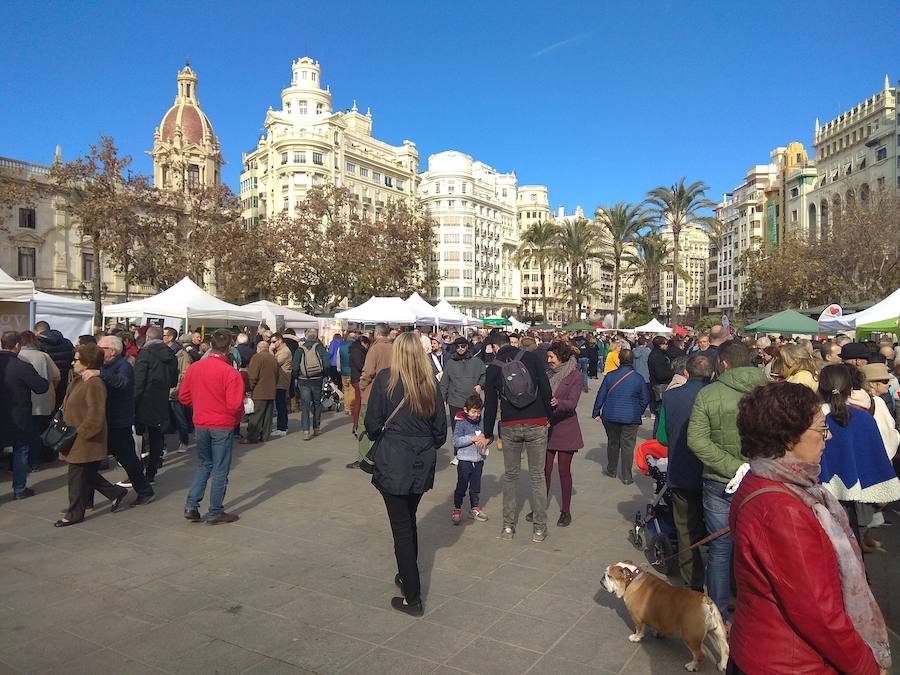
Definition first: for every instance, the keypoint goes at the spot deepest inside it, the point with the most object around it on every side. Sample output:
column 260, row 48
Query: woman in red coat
column 564, row 439
column 803, row 604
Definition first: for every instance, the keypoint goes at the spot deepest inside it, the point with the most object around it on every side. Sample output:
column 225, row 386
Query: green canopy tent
column 496, row 321
column 575, row 327
column 787, row 321
column 543, row 326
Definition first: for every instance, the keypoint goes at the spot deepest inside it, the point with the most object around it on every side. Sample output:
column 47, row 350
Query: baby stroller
column 332, row 396
column 653, row 531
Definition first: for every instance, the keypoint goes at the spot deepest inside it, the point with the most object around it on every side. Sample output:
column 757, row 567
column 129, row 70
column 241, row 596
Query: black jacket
column 493, row 387
column 685, row 470
column 59, row 349
column 18, row 379
column 247, row 352
column 406, row 456
column 155, row 373
column 660, row 367
column 118, row 375
column 357, row 360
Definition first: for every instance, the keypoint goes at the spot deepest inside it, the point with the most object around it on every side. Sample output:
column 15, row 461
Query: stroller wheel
column 659, row 550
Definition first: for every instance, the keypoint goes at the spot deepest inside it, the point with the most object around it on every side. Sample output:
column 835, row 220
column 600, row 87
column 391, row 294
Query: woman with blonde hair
column 406, row 421
column 798, row 366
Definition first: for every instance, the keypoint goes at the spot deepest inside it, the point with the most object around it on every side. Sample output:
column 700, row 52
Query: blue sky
column 599, row 100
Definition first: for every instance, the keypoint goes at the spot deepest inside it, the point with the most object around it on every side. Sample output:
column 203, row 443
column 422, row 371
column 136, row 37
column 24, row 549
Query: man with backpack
column 517, row 381
column 309, row 372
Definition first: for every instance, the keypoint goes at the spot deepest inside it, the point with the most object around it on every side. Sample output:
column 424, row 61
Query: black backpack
column 518, row 387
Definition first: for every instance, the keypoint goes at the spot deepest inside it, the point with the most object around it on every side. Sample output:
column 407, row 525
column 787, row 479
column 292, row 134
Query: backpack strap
column 620, row 381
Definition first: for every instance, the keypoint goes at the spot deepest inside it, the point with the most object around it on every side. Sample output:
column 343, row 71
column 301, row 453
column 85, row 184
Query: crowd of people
column 820, row 417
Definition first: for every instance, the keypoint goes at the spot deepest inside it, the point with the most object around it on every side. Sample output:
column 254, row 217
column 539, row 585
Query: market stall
column 278, row 317
column 881, row 317
column 380, row 310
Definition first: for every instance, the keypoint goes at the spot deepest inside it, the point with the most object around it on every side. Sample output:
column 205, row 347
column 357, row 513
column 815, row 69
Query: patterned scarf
column 802, row 478
column 559, row 373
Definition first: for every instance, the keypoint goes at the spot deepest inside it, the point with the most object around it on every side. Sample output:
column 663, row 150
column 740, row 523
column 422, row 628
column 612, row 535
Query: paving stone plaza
column 302, row 583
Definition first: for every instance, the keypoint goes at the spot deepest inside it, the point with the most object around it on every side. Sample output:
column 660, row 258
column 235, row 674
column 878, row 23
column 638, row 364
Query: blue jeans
column 281, row 410
column 20, row 467
column 468, row 477
column 214, row 448
column 310, row 402
column 716, row 505
column 583, row 363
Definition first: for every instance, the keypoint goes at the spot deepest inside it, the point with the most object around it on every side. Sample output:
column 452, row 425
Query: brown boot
column 223, row 518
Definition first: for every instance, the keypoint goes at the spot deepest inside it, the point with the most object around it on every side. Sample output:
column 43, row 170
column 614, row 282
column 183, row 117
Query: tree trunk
column 542, row 265
column 616, row 293
column 573, row 277
column 676, row 235
column 95, row 283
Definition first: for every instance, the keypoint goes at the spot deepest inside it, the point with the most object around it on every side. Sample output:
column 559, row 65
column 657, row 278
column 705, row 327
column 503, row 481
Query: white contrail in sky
column 557, row 45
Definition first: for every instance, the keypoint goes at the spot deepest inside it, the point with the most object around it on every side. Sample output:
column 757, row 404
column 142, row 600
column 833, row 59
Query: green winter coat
column 712, row 432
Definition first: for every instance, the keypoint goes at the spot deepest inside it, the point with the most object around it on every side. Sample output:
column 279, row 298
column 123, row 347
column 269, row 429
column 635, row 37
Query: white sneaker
column 181, row 449
column 455, row 460
column 124, row 483
column 278, row 433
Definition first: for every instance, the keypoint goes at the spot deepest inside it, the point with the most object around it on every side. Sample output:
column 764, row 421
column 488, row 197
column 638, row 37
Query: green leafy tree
column 650, row 258
column 636, row 309
column 538, row 246
column 621, row 224
column 675, row 207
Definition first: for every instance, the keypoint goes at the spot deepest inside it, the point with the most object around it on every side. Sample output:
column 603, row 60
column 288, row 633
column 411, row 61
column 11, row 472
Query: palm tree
column 715, row 229
column 586, row 288
column 623, row 224
column 675, row 207
column 578, row 242
column 538, row 247
column 650, row 259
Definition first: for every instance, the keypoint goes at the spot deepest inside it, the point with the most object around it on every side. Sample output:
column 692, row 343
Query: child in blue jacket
column 468, row 427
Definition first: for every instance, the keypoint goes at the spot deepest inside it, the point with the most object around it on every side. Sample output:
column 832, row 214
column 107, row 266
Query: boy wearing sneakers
column 470, row 464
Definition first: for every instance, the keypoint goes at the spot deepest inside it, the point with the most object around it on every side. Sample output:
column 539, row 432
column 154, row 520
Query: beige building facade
column 693, row 248
column 533, row 207
column 306, row 143
column 476, row 233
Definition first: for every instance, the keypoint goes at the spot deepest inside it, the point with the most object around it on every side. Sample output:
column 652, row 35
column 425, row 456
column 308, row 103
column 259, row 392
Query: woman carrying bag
column 84, row 408
column 406, row 421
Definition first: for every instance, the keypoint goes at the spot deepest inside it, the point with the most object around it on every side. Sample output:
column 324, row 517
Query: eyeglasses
column 824, row 430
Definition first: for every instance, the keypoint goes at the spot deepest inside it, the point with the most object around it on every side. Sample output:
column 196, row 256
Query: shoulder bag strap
column 391, row 416
column 620, row 381
column 758, row 492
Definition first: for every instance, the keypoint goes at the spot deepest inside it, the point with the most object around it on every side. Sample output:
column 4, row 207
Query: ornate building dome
column 185, row 148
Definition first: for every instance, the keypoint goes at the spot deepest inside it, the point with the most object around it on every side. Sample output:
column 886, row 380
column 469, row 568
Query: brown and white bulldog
column 678, row 612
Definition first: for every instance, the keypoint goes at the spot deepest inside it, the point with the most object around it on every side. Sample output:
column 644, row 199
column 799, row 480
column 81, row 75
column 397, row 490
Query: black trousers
column 621, row 439
column 401, row 511
column 120, row 444
column 83, row 480
column 157, row 446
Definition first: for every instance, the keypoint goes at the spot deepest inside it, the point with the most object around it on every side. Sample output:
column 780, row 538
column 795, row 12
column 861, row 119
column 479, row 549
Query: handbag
column 249, row 406
column 59, row 437
column 367, row 465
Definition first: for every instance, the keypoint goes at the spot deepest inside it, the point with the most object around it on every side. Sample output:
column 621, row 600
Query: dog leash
column 725, row 530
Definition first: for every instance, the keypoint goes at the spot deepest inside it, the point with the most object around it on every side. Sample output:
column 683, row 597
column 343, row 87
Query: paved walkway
column 303, row 582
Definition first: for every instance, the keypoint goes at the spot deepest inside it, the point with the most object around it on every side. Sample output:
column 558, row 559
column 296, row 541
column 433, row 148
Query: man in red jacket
column 215, row 391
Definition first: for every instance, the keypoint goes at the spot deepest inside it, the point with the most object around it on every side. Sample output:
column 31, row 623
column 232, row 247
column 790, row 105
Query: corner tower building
column 185, row 151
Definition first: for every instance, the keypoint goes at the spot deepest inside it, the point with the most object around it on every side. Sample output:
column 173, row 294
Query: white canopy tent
column 185, row 300
column 518, row 325
column 292, row 318
column 70, row 316
column 426, row 313
column 882, row 316
column 450, row 316
column 380, row 310
column 653, row 326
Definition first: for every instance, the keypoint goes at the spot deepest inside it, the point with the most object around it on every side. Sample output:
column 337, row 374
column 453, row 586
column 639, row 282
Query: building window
column 27, row 259
column 27, row 218
column 351, row 168
column 87, row 266
column 389, row 181
column 313, row 76
column 284, row 204
column 302, row 107
column 464, row 188
column 451, row 255
column 467, row 238
column 794, row 216
column 363, row 172
column 376, row 177
column 451, row 203
column 451, row 238
column 317, row 158
column 319, row 108
column 467, row 291
column 881, row 153
column 303, row 74
column 504, row 192
column 451, row 291
column 437, row 188
column 399, row 184
column 296, row 158
column 467, row 256
column 880, row 183
column 467, row 273
column 795, row 192
column 193, row 176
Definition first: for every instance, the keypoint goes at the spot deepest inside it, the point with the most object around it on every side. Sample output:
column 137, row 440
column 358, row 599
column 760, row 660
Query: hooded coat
column 461, row 374
column 155, row 373
column 61, row 350
column 712, row 431
column 18, row 379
